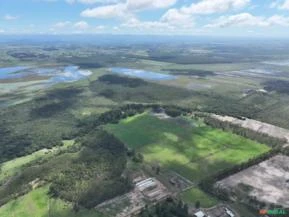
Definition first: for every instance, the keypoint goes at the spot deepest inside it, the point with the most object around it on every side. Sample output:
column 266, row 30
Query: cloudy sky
column 171, row 17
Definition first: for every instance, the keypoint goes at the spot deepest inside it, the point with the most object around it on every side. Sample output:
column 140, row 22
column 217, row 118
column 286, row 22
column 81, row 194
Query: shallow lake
column 8, row 72
column 142, row 74
column 55, row 74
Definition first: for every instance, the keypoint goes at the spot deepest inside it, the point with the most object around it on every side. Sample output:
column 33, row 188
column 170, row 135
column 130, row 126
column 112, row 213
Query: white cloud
column 165, row 25
column 61, row 25
column 285, row 5
column 247, row 19
column 10, row 17
column 99, row 28
column 91, row 1
column 108, row 11
column 81, row 25
column 280, row 4
column 274, row 4
column 148, row 4
column 184, row 16
column 214, row 6
column 174, row 17
column 278, row 20
column 67, row 25
column 146, row 25
column 125, row 9
column 243, row 19
column 2, row 30
column 75, row 28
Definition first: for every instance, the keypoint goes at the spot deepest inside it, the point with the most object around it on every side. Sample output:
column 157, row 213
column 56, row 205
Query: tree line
column 115, row 115
column 168, row 208
column 245, row 132
column 208, row 184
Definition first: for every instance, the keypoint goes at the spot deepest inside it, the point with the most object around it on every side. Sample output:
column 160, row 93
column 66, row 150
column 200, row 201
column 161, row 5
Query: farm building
column 149, row 183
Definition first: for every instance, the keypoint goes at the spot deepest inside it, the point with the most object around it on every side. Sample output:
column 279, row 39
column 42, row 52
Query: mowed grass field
column 38, row 204
column 189, row 148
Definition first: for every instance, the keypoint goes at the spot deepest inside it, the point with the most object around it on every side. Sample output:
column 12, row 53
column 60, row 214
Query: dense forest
column 99, row 165
column 191, row 72
column 120, row 89
column 167, row 208
column 41, row 123
column 124, row 81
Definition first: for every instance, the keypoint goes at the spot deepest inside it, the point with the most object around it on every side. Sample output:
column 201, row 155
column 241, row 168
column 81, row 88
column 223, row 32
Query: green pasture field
column 37, row 203
column 183, row 145
column 193, row 195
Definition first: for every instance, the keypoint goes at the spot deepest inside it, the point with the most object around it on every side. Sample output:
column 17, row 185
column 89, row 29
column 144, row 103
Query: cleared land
column 267, row 181
column 185, row 145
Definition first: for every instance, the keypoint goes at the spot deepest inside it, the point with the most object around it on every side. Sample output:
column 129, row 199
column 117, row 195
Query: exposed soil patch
column 267, row 181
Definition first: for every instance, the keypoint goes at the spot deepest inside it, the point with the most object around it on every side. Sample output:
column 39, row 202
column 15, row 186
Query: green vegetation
column 208, row 184
column 210, row 78
column 100, row 165
column 195, row 195
column 124, row 81
column 41, row 123
column 248, row 133
column 279, row 86
column 193, row 150
column 191, row 72
column 11, row 167
column 120, row 89
column 76, row 174
column 168, row 208
column 37, row 203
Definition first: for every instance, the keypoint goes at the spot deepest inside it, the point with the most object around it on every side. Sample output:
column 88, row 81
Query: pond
column 142, row 74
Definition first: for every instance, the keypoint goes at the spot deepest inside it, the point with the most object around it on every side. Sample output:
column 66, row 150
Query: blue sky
column 170, row 17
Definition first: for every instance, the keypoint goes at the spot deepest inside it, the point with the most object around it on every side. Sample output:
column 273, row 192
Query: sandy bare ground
column 257, row 126
column 269, row 180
